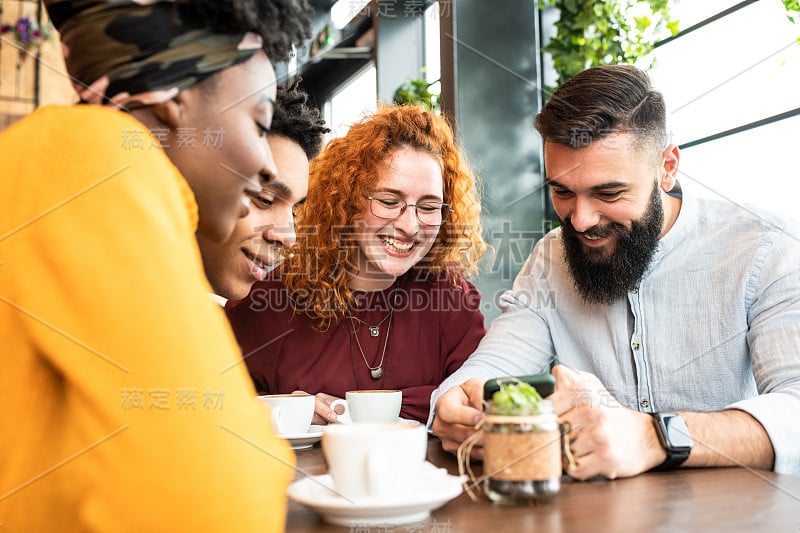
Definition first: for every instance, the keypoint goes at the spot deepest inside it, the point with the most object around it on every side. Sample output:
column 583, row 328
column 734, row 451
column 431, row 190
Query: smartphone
column 543, row 383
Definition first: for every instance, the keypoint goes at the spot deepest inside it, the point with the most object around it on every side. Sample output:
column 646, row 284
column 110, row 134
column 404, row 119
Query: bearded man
column 676, row 320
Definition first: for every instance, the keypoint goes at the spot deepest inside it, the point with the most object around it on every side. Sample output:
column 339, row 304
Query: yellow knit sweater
column 124, row 405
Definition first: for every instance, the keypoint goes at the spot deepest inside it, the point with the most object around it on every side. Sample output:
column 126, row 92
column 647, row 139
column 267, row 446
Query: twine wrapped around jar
column 519, row 448
column 522, row 456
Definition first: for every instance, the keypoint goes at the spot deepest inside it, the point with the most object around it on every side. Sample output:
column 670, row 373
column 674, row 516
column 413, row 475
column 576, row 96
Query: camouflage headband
column 140, row 52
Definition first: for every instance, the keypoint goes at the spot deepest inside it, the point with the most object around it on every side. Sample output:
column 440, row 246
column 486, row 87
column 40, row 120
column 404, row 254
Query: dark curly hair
column 280, row 23
column 297, row 121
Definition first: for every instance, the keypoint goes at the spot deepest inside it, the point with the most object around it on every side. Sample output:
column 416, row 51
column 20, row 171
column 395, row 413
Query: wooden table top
column 702, row 500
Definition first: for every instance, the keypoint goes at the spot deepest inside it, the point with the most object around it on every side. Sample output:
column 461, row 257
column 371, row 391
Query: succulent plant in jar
column 521, row 446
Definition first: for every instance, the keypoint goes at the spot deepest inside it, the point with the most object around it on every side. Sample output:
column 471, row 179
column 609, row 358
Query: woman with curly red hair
column 374, row 295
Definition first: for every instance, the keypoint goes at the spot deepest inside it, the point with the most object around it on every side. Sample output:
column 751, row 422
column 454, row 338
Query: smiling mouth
column 258, row 262
column 592, row 242
column 258, row 267
column 397, row 246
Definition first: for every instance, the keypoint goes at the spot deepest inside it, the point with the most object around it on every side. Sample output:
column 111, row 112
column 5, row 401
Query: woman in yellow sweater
column 118, row 412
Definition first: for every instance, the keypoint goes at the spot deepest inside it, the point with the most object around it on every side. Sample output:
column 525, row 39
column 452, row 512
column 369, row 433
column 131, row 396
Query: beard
column 602, row 277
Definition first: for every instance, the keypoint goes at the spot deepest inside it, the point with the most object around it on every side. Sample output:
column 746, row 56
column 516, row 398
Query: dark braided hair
column 297, row 121
column 280, row 23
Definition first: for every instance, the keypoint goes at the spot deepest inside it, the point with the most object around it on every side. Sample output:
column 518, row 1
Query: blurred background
column 730, row 73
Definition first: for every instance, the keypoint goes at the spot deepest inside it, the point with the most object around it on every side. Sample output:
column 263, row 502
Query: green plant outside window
column 601, row 32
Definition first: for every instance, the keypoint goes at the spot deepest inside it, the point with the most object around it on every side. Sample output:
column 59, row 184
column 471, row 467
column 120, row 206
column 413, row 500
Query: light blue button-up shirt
column 713, row 324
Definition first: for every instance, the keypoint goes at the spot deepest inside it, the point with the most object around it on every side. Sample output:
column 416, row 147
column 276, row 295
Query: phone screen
column 543, row 383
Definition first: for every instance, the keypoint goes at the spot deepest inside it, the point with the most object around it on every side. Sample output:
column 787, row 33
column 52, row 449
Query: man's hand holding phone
column 458, row 411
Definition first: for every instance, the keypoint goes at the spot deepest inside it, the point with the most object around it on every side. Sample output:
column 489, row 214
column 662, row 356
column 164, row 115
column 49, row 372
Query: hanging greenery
column 792, row 11
column 600, row 32
column 417, row 91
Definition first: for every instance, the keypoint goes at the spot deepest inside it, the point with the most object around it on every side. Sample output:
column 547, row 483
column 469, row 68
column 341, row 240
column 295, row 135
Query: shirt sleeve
column 517, row 343
column 774, row 341
column 132, row 369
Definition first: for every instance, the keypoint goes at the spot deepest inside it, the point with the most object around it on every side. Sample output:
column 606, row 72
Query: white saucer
column 433, row 488
column 305, row 440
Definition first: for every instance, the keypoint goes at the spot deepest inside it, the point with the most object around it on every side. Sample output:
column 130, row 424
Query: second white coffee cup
column 370, row 406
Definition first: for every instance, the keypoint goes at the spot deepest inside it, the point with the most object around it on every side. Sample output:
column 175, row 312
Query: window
column 357, row 98
column 432, row 57
column 735, row 71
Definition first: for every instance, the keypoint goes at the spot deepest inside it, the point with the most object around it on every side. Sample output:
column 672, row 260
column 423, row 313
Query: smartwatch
column 675, row 439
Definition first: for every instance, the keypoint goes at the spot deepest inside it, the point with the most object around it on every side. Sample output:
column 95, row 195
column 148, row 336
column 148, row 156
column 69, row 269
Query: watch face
column 676, row 432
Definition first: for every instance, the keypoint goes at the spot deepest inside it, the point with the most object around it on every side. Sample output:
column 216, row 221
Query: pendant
column 374, row 331
column 376, row 372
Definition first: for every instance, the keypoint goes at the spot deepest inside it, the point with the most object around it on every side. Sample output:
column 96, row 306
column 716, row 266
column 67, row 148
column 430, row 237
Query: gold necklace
column 377, row 371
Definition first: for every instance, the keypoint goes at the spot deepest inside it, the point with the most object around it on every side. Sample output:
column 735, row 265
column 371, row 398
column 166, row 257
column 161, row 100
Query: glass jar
column 522, row 456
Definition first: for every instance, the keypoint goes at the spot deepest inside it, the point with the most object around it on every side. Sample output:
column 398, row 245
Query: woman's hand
column 323, row 414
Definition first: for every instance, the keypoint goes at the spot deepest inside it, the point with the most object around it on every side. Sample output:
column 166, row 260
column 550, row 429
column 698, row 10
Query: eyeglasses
column 390, row 207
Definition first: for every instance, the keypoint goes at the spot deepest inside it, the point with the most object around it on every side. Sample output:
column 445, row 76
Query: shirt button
column 635, row 345
column 645, row 404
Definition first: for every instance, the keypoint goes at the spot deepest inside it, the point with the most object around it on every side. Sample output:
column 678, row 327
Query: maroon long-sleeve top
column 435, row 326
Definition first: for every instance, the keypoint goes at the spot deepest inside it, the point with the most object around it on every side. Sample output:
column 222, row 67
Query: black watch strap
column 673, row 461
column 674, row 437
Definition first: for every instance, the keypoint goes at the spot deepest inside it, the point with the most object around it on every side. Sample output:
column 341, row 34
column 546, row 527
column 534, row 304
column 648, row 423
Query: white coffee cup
column 374, row 460
column 291, row 413
column 369, row 406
